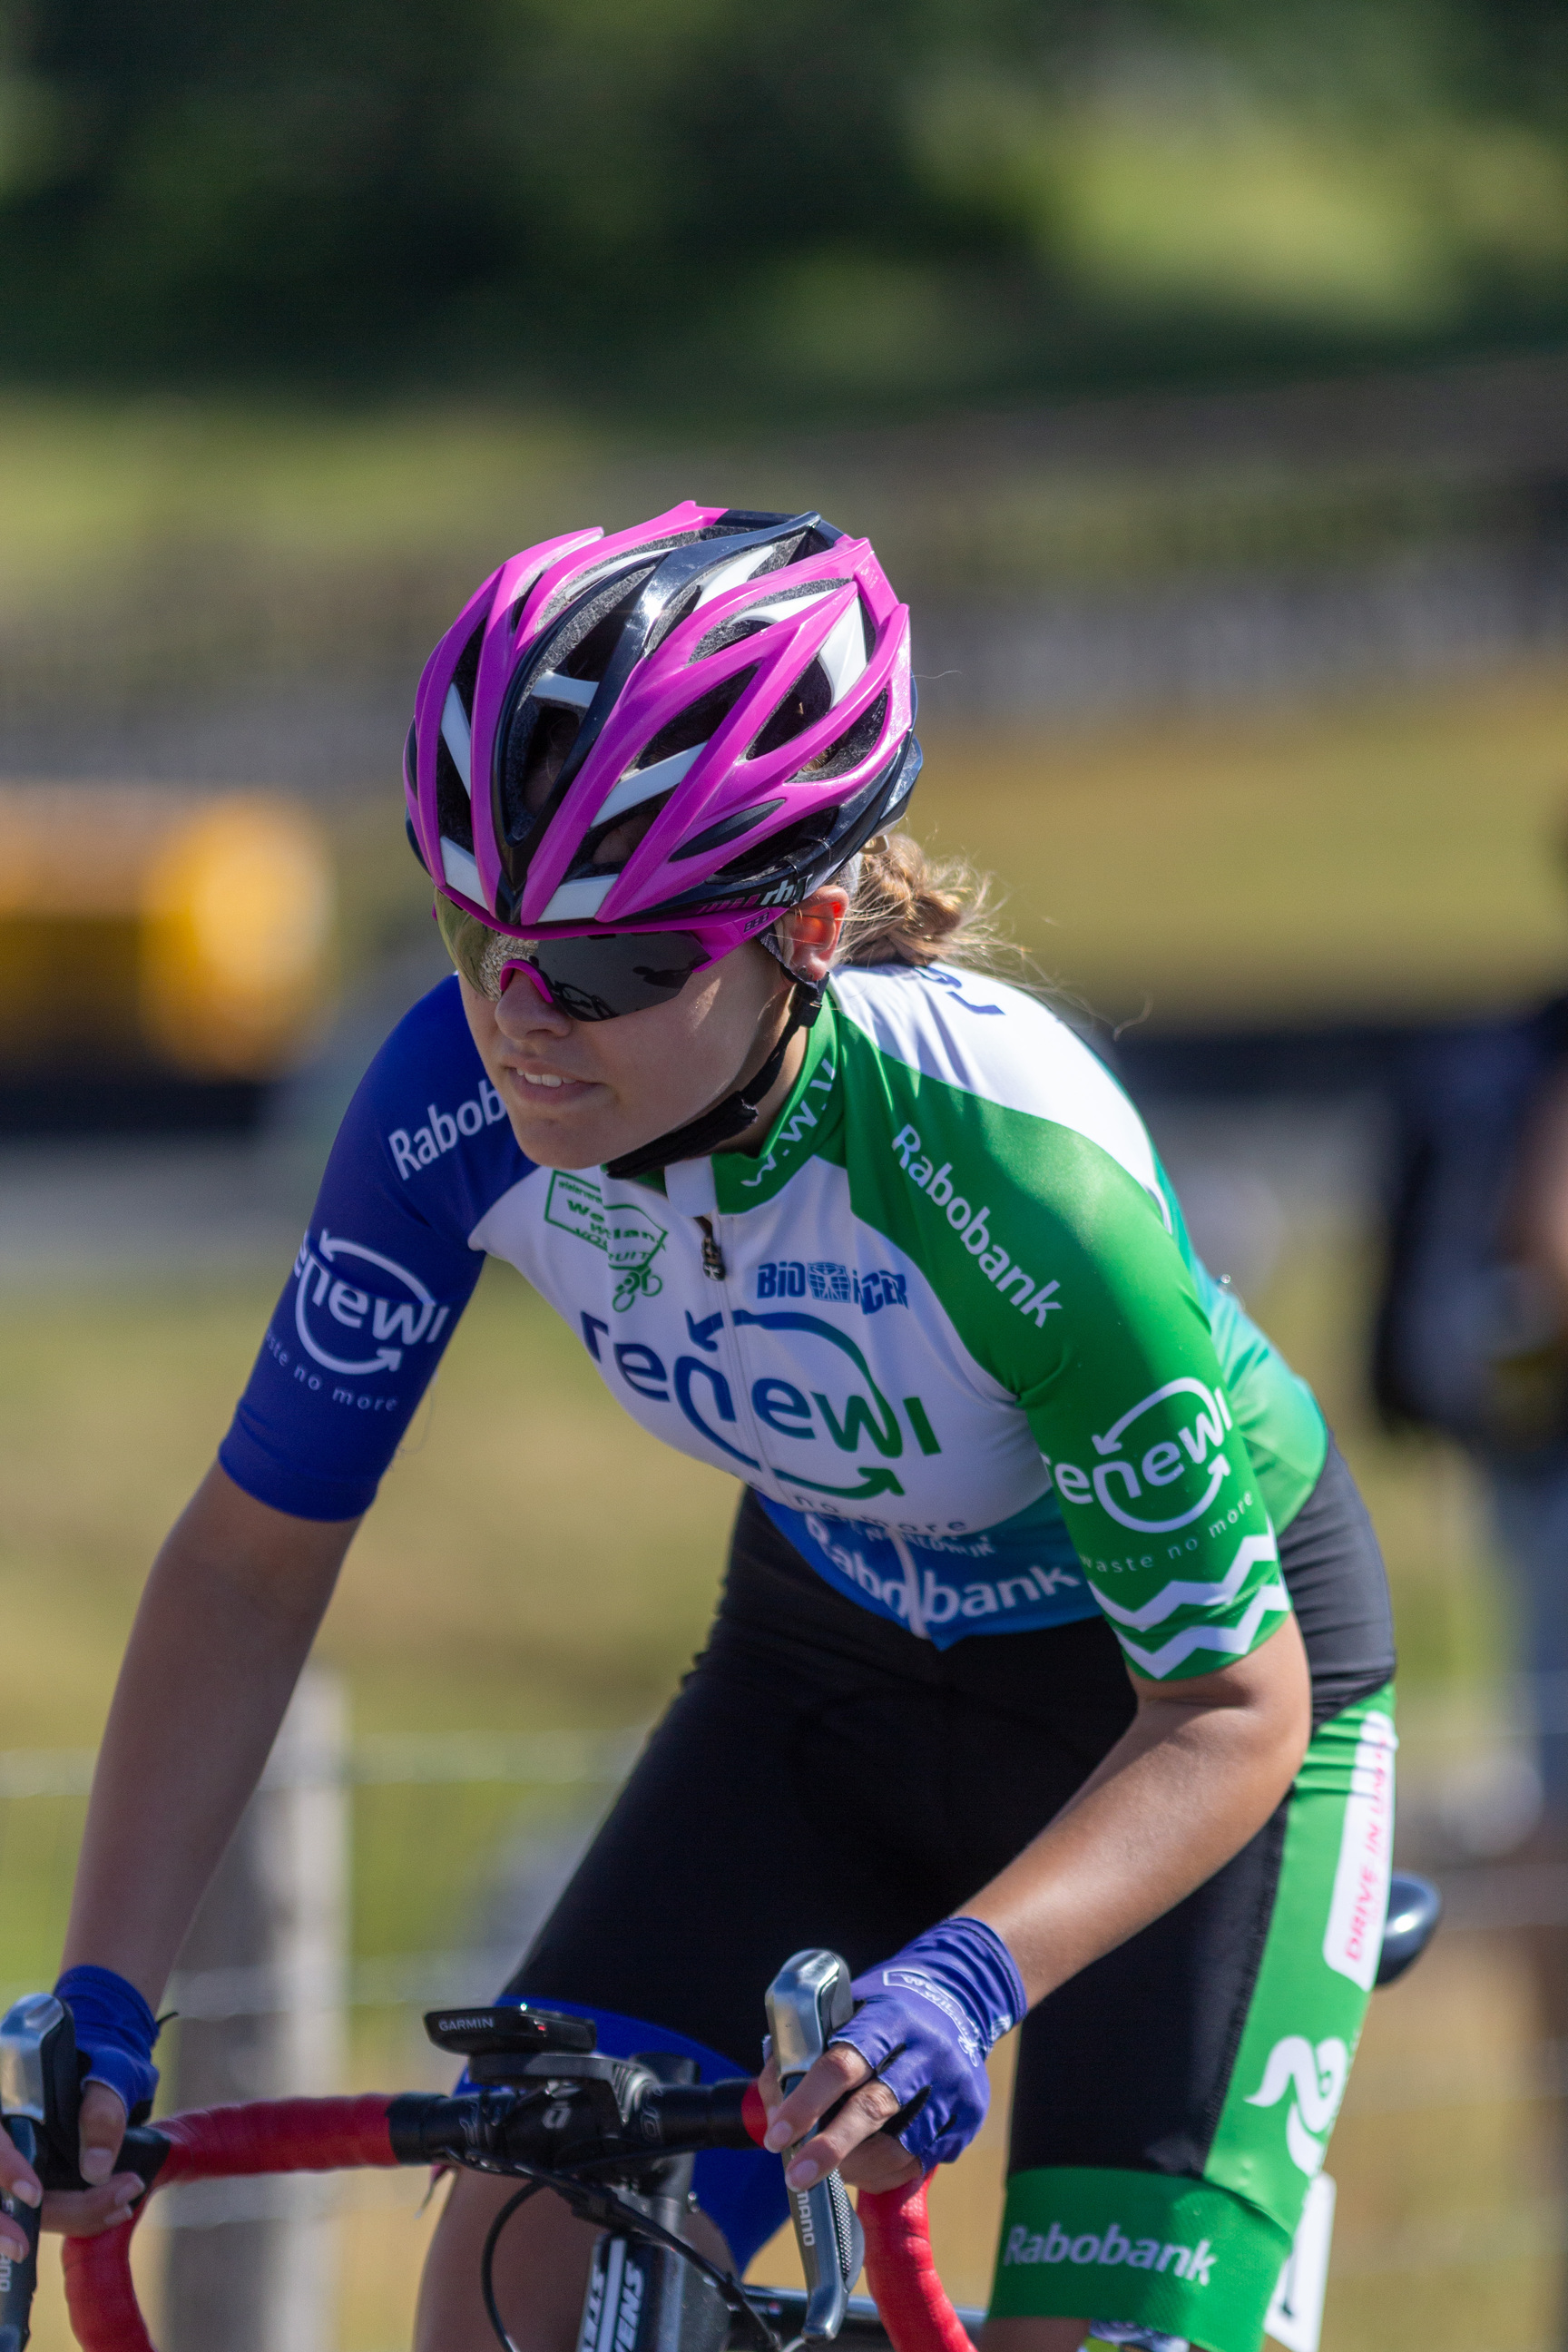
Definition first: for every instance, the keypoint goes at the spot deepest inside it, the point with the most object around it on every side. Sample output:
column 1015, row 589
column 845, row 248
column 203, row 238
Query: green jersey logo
column 628, row 1236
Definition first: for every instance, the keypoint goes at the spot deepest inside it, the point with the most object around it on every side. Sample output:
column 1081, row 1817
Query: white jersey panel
column 823, row 1368
column 974, row 1033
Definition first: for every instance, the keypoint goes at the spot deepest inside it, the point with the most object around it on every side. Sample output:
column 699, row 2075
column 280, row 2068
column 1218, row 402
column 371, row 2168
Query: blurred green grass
column 1382, row 856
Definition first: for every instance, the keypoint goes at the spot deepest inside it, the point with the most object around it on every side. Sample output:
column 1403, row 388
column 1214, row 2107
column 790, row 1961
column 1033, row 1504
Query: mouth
column 539, row 1088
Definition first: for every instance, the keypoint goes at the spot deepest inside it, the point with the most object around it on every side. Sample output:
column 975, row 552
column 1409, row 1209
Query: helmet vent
column 857, row 743
column 467, row 670
column 675, row 612
column 453, row 815
column 831, row 834
column 454, row 812
column 699, row 720
column 729, row 828
column 583, row 581
column 808, row 700
column 785, row 849
column 760, row 615
column 609, row 847
column 533, row 764
column 605, row 616
column 538, row 743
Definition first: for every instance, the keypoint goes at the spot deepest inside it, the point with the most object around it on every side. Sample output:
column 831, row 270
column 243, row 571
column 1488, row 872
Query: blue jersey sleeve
column 383, row 1273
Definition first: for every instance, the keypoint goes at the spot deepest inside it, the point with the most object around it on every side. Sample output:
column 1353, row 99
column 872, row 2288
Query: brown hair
column 910, row 908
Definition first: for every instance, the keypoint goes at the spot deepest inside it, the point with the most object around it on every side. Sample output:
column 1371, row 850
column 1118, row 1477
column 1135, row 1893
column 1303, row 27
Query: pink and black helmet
column 694, row 722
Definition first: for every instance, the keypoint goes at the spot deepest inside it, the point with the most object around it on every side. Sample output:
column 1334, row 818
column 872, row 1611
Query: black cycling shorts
column 825, row 1778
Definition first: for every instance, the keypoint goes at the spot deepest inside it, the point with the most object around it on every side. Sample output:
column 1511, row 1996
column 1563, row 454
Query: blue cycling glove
column 927, row 2022
column 115, row 2031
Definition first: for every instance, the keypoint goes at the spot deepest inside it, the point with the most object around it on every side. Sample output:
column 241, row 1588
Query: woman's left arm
column 1197, row 1772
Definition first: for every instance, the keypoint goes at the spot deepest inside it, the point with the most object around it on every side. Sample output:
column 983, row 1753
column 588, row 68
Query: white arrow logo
column 318, row 1266
column 1219, row 1471
column 1112, row 1441
column 1214, row 1420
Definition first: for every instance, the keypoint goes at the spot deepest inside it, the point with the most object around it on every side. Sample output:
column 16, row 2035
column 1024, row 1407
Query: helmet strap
column 736, row 1113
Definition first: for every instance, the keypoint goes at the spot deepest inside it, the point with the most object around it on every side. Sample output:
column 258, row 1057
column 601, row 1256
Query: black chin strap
column 735, row 1114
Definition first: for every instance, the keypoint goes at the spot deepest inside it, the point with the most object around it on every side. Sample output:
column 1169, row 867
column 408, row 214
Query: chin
column 548, row 1147
column 590, row 1138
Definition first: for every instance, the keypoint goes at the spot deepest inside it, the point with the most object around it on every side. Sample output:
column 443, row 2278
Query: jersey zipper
column 716, row 1267
column 712, row 1254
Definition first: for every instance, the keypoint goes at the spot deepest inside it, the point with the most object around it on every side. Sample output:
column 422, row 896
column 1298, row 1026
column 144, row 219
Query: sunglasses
column 588, row 979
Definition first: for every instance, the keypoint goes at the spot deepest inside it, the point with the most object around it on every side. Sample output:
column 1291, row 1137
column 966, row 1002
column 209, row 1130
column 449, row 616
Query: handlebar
column 484, row 2128
column 213, row 2143
column 616, row 2138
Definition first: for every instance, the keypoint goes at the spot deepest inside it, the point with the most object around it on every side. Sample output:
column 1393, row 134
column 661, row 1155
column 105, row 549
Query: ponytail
column 910, row 908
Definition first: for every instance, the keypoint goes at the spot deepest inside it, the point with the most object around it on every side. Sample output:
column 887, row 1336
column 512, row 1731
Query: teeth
column 529, row 1079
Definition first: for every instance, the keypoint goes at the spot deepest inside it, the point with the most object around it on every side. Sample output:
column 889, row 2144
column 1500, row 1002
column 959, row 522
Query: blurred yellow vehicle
column 146, row 931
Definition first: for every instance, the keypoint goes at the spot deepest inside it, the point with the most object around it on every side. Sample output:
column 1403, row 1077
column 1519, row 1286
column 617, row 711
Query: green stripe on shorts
column 1175, row 2254
column 1315, row 1978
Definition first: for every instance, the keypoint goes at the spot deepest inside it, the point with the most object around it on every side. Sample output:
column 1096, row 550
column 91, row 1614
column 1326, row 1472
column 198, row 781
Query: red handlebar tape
column 902, row 2271
column 342, row 2135
column 263, row 2136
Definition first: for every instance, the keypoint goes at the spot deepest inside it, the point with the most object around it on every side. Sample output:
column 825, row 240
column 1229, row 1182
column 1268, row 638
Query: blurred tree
column 699, row 201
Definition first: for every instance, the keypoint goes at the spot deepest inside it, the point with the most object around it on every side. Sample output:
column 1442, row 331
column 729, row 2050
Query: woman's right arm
column 224, row 1626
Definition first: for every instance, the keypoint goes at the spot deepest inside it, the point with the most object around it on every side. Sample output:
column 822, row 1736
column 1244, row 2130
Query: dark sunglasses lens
column 598, row 980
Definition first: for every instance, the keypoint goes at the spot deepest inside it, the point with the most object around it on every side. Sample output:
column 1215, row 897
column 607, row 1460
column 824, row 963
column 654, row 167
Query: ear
column 809, row 933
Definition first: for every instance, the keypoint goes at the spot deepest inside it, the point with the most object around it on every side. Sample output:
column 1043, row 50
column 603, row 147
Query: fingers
column 18, row 2180
column 85, row 2212
column 880, row 2163
column 102, row 2129
column 13, row 2239
column 839, row 2071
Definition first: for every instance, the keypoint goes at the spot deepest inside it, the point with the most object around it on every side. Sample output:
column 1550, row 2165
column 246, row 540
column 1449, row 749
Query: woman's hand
column 923, row 2024
column 101, row 2124
column 854, row 2141
column 77, row 2213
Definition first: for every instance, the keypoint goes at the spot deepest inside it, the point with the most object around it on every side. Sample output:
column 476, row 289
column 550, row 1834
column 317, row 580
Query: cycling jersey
column 948, row 1324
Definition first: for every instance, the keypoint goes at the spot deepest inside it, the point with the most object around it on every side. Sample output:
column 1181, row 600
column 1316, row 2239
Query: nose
column 523, row 1011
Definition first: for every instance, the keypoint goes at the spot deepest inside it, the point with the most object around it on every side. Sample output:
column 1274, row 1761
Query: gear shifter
column 808, row 2001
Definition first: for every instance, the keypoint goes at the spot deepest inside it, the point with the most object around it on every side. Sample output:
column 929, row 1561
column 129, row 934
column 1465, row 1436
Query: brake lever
column 35, row 2037
column 807, row 2002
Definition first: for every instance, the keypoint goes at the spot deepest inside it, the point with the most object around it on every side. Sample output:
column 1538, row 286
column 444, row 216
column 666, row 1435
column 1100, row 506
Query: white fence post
column 261, row 1988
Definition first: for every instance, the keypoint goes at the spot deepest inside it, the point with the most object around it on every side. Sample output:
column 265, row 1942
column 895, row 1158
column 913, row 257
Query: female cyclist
column 1051, row 1673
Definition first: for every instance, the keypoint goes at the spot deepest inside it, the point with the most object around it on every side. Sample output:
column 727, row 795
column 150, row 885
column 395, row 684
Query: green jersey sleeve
column 1112, row 1357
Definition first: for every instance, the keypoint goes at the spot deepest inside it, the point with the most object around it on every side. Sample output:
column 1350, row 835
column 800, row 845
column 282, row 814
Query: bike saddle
column 1415, row 1907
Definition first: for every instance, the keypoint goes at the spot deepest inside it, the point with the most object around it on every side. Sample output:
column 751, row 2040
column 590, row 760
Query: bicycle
column 616, row 2139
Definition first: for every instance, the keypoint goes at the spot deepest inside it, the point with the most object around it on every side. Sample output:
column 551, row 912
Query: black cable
column 487, row 2260
column 604, row 2206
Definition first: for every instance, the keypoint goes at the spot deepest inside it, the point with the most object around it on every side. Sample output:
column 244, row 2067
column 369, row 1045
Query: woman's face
column 579, row 1093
